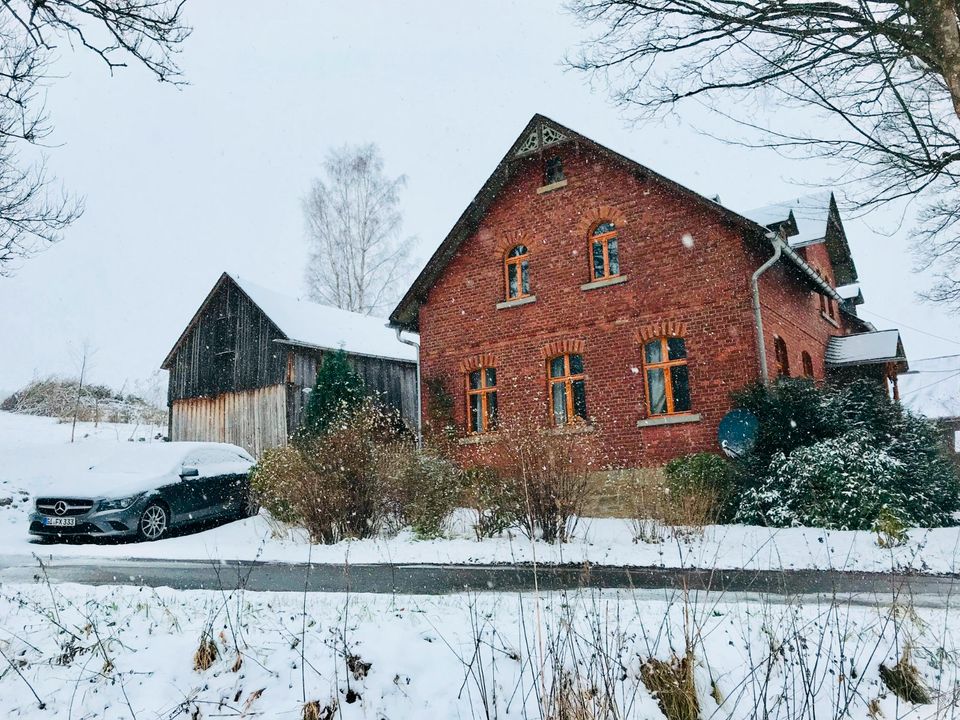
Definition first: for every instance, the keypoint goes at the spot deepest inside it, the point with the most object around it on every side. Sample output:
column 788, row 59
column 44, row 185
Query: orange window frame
column 567, row 380
column 665, row 365
column 517, row 261
column 604, row 240
column 484, row 391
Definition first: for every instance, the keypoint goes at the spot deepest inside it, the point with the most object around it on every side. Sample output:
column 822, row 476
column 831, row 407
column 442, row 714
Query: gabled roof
column 869, row 348
column 851, row 293
column 309, row 324
column 540, row 133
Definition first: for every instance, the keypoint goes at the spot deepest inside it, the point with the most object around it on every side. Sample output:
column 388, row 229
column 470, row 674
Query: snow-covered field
column 36, row 451
column 74, row 652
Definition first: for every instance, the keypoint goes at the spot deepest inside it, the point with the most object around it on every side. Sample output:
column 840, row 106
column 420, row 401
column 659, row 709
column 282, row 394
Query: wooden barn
column 243, row 368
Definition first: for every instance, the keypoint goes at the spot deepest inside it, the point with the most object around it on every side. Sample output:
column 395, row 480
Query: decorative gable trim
column 563, row 347
column 478, row 361
column 589, row 220
column 542, row 136
column 663, row 328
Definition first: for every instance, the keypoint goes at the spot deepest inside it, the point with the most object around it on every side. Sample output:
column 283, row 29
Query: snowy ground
column 120, row 652
column 33, row 451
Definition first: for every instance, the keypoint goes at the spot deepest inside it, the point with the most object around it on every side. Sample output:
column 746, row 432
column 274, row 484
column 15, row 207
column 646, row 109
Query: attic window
column 553, row 171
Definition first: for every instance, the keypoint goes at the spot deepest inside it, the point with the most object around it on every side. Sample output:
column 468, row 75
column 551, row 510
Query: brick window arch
column 568, row 389
column 516, row 272
column 781, row 356
column 666, row 375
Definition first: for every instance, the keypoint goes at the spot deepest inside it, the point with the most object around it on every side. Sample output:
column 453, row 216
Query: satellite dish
column 737, row 433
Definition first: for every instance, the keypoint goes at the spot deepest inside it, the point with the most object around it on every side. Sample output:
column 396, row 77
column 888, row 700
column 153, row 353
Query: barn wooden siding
column 253, row 419
column 393, row 382
column 230, row 347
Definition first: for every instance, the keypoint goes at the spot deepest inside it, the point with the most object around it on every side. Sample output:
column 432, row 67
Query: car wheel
column 154, row 522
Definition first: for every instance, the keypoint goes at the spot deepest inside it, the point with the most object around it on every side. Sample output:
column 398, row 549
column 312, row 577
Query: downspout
column 415, row 344
column 757, row 316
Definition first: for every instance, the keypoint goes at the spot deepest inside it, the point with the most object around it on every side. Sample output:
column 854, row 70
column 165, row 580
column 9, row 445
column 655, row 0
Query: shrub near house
column 842, row 457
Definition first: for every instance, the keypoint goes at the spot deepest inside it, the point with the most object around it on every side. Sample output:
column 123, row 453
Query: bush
column 805, row 469
column 422, row 489
column 549, row 472
column 493, row 498
column 277, row 471
column 702, row 475
column 661, row 507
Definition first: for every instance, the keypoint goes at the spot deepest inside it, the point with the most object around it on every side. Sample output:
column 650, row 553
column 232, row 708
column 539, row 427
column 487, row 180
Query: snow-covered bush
column 493, row 498
column 422, row 489
column 702, row 475
column 843, row 482
column 337, row 393
column 839, row 456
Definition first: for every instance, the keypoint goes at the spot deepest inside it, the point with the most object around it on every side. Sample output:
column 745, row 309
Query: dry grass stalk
column 313, row 711
column 904, row 680
column 671, row 682
column 573, row 701
column 206, row 654
column 658, row 512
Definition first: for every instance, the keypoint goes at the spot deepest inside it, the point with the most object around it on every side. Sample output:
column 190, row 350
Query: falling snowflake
column 687, row 240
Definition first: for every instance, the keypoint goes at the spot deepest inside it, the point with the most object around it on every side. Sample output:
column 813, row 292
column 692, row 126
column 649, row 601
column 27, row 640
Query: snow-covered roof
column 810, row 214
column 932, row 387
column 329, row 328
column 867, row 348
column 849, row 292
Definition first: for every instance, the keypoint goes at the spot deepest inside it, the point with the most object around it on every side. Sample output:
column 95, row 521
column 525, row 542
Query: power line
column 929, row 385
column 910, row 327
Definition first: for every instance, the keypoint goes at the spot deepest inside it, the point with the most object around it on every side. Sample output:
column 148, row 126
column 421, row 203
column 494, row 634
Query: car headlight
column 119, row 503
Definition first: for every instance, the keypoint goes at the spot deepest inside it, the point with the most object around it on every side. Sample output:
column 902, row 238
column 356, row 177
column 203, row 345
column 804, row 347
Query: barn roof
column 541, row 133
column 309, row 324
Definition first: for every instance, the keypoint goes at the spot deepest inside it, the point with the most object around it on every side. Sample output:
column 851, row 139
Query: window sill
column 578, row 429
column 606, row 282
column 669, row 420
column 829, row 319
column 478, row 439
column 516, row 303
column 551, row 187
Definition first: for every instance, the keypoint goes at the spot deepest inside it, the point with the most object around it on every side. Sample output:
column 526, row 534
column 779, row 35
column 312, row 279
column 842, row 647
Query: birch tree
column 357, row 253
column 882, row 78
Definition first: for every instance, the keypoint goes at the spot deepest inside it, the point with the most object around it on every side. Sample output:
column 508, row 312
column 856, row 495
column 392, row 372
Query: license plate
column 59, row 521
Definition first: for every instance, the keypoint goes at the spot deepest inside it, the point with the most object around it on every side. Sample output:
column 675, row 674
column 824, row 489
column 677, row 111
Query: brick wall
column 703, row 285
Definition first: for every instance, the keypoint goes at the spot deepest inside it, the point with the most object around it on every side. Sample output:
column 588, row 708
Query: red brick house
column 584, row 290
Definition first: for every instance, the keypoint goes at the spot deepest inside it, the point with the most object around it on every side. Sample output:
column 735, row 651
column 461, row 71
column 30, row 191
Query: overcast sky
column 181, row 185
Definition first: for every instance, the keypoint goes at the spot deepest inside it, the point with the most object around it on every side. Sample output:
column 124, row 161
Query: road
column 441, row 579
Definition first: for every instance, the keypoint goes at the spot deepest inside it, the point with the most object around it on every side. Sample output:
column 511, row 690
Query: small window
column 831, row 309
column 783, row 360
column 807, row 364
column 823, row 303
column 482, row 400
column 517, row 273
column 553, row 171
column 604, row 252
column 667, row 376
column 568, row 392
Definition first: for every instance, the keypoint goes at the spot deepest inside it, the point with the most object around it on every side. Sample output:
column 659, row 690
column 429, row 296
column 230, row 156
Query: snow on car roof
column 326, row 327
column 157, row 458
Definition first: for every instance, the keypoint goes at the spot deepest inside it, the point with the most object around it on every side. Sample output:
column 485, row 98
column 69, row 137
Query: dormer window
column 553, row 171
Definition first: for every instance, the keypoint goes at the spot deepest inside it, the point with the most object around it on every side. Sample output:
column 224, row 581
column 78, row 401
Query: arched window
column 517, row 273
column 604, row 253
column 568, row 392
column 666, row 375
column 482, row 400
column 807, row 364
column 783, row 360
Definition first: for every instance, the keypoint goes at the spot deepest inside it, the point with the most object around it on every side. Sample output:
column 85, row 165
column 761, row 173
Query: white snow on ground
column 35, row 453
column 124, row 652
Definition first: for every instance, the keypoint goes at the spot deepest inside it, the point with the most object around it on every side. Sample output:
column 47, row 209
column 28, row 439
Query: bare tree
column 357, row 252
column 882, row 77
column 33, row 214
